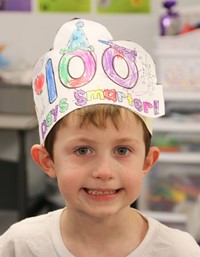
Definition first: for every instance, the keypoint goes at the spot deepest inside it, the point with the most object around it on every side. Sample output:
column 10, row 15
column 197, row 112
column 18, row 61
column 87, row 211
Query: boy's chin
column 104, row 213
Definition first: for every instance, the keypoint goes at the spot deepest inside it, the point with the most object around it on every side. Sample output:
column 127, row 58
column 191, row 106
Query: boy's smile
column 102, row 194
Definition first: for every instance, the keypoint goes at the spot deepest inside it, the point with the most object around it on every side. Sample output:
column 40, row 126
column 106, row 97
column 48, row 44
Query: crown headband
column 86, row 67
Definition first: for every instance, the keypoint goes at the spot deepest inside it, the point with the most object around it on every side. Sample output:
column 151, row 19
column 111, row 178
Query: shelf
column 182, row 96
column 180, row 157
column 167, row 217
column 169, row 125
column 17, row 121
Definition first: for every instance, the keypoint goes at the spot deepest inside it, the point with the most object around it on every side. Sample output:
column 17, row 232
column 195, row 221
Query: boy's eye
column 83, row 150
column 122, row 150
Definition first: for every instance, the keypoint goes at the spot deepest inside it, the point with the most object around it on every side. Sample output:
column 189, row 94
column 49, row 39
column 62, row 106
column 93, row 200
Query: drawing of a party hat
column 78, row 40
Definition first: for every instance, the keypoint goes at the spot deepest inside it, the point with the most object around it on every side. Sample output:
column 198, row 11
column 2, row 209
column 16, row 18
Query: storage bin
column 178, row 61
column 172, row 187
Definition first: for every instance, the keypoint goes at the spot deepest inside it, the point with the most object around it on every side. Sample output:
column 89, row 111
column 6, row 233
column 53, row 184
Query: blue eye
column 122, row 150
column 83, row 151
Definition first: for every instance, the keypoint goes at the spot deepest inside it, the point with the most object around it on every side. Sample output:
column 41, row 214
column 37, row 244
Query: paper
column 15, row 5
column 87, row 67
column 64, row 5
column 123, row 6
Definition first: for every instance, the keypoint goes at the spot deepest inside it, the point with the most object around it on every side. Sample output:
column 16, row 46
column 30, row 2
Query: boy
column 95, row 100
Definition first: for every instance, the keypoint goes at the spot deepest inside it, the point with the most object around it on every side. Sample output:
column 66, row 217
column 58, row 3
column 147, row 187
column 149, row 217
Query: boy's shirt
column 40, row 236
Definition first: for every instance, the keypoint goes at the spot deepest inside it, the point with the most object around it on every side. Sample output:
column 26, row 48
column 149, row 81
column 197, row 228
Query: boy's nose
column 104, row 169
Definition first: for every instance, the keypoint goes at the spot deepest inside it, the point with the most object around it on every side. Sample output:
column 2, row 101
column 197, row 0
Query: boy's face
column 100, row 171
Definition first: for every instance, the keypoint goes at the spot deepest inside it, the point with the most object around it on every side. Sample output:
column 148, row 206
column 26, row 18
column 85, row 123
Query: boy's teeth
column 99, row 192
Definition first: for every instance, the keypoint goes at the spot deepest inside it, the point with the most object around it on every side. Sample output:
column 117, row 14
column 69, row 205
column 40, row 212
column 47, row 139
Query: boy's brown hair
column 96, row 115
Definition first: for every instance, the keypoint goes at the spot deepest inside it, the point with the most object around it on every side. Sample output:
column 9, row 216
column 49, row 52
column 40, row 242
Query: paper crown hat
column 86, row 67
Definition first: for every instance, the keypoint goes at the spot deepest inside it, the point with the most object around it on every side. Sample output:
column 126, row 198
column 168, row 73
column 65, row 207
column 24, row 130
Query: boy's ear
column 151, row 159
column 43, row 160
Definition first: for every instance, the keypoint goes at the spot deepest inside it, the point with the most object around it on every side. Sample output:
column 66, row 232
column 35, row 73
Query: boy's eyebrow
column 118, row 141
column 80, row 139
column 127, row 140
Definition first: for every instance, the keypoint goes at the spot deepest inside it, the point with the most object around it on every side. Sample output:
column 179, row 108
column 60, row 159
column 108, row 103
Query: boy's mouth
column 101, row 192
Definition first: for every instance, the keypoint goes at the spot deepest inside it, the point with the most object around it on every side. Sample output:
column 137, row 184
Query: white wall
column 29, row 35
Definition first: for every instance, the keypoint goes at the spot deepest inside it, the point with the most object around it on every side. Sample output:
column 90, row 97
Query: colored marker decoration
column 38, row 84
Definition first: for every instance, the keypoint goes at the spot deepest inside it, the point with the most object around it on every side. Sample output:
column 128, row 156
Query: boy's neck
column 127, row 228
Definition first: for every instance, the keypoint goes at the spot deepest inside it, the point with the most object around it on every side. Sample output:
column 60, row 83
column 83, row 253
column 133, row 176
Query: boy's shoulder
column 171, row 241
column 37, row 224
column 27, row 233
